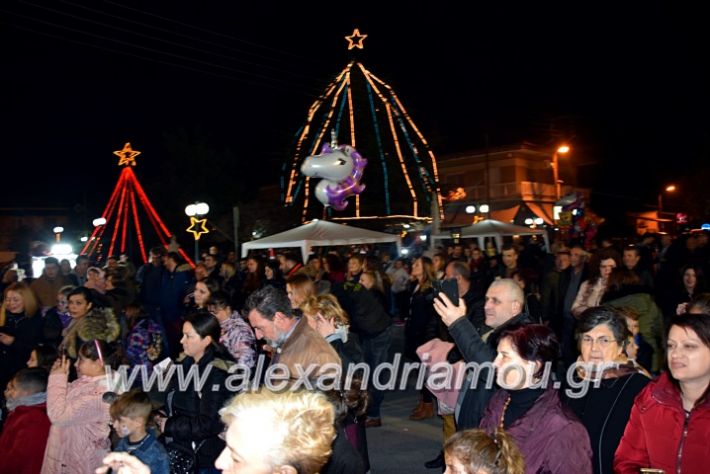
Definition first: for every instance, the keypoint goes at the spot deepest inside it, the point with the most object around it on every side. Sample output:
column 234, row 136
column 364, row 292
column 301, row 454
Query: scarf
column 29, row 400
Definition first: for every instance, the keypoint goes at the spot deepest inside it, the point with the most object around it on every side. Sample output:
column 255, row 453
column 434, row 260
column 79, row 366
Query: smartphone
column 450, row 288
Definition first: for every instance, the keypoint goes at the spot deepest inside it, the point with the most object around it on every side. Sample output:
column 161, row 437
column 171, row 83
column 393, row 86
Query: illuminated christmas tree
column 121, row 213
column 363, row 111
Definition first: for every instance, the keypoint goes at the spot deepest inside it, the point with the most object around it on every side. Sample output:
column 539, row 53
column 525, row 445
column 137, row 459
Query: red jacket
column 659, row 435
column 23, row 440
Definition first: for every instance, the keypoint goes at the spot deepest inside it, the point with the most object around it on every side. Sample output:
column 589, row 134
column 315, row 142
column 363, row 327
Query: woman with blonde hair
column 476, row 452
column 327, row 317
column 299, row 287
column 20, row 329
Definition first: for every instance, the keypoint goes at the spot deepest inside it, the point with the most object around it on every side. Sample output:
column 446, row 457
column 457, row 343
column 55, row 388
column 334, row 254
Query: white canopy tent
column 318, row 233
column 495, row 229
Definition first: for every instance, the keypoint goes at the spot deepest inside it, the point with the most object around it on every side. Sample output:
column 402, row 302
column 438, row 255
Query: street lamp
column 197, row 226
column 561, row 150
column 669, row 189
column 58, row 233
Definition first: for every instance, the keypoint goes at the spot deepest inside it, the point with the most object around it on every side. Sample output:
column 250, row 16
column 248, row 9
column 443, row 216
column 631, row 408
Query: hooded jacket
column 99, row 323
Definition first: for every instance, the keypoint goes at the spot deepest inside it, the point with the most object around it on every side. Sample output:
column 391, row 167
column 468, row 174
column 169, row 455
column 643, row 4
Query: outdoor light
column 406, row 226
column 705, row 227
column 539, row 221
column 483, row 208
column 253, row 233
column 528, row 221
column 197, row 226
column 563, row 149
column 61, row 249
column 422, row 238
column 191, row 210
column 99, row 221
column 470, row 209
column 575, row 212
column 84, row 238
column 201, row 208
column 58, row 230
column 404, row 251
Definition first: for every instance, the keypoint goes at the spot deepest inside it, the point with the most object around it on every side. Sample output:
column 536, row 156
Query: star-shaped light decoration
column 355, row 40
column 198, row 227
column 127, row 155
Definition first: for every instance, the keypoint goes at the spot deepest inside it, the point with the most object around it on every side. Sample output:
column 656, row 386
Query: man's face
column 458, row 251
column 450, row 274
column 499, row 306
column 265, row 329
column 562, row 261
column 81, row 267
column 13, row 392
column 51, row 270
column 210, row 262
column 576, row 257
column 200, row 272
column 155, row 259
column 247, row 446
column 510, row 258
column 631, row 258
column 476, row 254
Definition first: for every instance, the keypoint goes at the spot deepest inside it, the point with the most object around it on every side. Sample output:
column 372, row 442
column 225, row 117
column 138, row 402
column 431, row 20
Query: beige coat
column 305, row 347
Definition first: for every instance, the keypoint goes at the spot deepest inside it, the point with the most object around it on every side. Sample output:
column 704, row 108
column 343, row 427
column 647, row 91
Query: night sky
column 625, row 82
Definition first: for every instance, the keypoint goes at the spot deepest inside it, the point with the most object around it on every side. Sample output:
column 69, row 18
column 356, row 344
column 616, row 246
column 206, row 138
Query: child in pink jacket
column 79, row 436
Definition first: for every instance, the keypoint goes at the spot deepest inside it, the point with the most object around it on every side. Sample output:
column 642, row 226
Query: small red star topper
column 127, row 155
column 198, row 227
column 355, row 40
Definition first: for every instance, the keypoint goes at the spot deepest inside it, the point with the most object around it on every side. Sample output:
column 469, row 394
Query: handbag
column 182, row 460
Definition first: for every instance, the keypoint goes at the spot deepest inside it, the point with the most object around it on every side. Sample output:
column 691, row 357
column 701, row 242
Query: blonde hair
column 299, row 426
column 480, row 452
column 327, row 305
column 28, row 298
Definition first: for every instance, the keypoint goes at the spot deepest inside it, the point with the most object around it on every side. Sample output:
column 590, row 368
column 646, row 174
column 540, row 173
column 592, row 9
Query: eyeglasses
column 602, row 341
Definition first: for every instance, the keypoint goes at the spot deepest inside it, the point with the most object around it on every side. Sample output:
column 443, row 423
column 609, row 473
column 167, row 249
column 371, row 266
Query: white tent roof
column 495, row 229
column 318, row 233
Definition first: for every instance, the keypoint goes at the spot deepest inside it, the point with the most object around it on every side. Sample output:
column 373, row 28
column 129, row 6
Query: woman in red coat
column 669, row 427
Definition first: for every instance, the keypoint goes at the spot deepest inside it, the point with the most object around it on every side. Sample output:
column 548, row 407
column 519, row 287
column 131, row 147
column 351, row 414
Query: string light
column 198, row 227
column 127, row 156
column 121, row 207
column 355, row 40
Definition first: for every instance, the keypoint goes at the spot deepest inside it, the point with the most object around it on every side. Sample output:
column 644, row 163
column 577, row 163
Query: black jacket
column 193, row 416
column 367, row 316
column 27, row 332
column 475, row 349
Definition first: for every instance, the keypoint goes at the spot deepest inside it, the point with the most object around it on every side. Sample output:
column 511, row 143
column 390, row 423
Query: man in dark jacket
column 504, row 302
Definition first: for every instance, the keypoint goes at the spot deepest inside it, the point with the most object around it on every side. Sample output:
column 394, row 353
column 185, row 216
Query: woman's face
column 78, row 306
column 32, row 361
column 606, row 266
column 293, row 296
column 599, row 345
column 417, row 268
column 512, row 371
column 688, row 356
column 690, row 279
column 192, row 343
column 252, row 265
column 15, row 303
column 633, row 326
column 202, row 294
column 455, row 466
column 269, row 273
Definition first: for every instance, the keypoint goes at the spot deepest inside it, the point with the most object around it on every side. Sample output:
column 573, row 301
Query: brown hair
column 327, row 305
column 134, row 404
column 478, row 451
column 302, row 285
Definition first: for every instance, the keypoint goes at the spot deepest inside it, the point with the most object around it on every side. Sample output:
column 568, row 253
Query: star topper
column 198, row 227
column 127, row 155
column 355, row 40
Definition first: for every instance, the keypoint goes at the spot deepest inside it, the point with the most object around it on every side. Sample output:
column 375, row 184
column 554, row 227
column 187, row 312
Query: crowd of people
column 600, row 359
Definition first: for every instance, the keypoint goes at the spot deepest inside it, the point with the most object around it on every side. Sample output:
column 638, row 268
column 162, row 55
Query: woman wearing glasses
column 602, row 387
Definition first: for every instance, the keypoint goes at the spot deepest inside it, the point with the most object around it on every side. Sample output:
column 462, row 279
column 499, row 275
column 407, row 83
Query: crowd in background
column 624, row 302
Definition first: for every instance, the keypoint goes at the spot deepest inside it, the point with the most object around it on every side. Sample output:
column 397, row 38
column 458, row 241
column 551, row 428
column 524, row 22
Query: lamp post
column 669, row 189
column 197, row 225
column 561, row 150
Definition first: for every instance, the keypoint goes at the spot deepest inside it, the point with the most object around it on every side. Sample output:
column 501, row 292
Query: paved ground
column 401, row 445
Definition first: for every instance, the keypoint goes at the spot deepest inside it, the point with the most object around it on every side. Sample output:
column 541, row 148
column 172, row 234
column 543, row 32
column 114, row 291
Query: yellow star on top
column 127, row 155
column 198, row 227
column 355, row 40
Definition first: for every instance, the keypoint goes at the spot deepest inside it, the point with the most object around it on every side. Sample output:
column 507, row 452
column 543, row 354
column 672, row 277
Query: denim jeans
column 376, row 351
